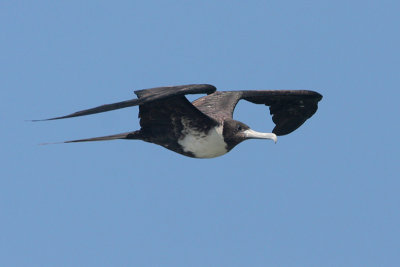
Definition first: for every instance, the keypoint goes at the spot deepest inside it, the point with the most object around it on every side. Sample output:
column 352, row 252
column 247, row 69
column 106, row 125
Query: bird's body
column 205, row 128
column 200, row 144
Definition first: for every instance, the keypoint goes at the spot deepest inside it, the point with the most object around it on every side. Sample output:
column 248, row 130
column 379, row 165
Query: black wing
column 289, row 108
column 146, row 96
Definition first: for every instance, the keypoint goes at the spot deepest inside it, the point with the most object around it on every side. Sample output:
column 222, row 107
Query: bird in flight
column 205, row 128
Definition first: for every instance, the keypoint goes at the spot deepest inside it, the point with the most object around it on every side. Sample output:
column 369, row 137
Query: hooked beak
column 250, row 134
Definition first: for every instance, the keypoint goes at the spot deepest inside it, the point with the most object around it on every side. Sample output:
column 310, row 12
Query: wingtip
column 319, row 96
column 316, row 94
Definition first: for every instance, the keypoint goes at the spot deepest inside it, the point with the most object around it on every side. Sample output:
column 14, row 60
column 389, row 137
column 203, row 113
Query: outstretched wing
column 145, row 96
column 289, row 108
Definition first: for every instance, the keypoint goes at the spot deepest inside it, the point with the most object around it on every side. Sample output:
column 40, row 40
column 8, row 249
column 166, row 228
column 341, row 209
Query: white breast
column 203, row 145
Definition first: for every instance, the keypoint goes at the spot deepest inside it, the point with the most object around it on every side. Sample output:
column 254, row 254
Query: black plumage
column 205, row 128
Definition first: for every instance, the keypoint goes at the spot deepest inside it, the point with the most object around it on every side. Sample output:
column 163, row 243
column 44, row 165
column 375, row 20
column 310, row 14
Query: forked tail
column 127, row 135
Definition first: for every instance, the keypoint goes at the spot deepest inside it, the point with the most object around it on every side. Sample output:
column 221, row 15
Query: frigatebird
column 205, row 128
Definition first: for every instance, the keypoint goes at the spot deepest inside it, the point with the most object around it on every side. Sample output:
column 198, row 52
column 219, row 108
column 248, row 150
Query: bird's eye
column 239, row 128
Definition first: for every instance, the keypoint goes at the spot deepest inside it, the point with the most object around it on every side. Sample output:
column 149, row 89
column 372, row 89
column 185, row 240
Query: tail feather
column 127, row 135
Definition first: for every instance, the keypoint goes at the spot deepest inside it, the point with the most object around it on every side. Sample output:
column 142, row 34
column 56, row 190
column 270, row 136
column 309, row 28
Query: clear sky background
column 325, row 195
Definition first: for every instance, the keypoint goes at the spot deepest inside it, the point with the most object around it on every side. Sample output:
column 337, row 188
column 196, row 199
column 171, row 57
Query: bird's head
column 235, row 132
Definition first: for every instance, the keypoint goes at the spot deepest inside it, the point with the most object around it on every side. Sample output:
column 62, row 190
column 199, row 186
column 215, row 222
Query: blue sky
column 325, row 195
